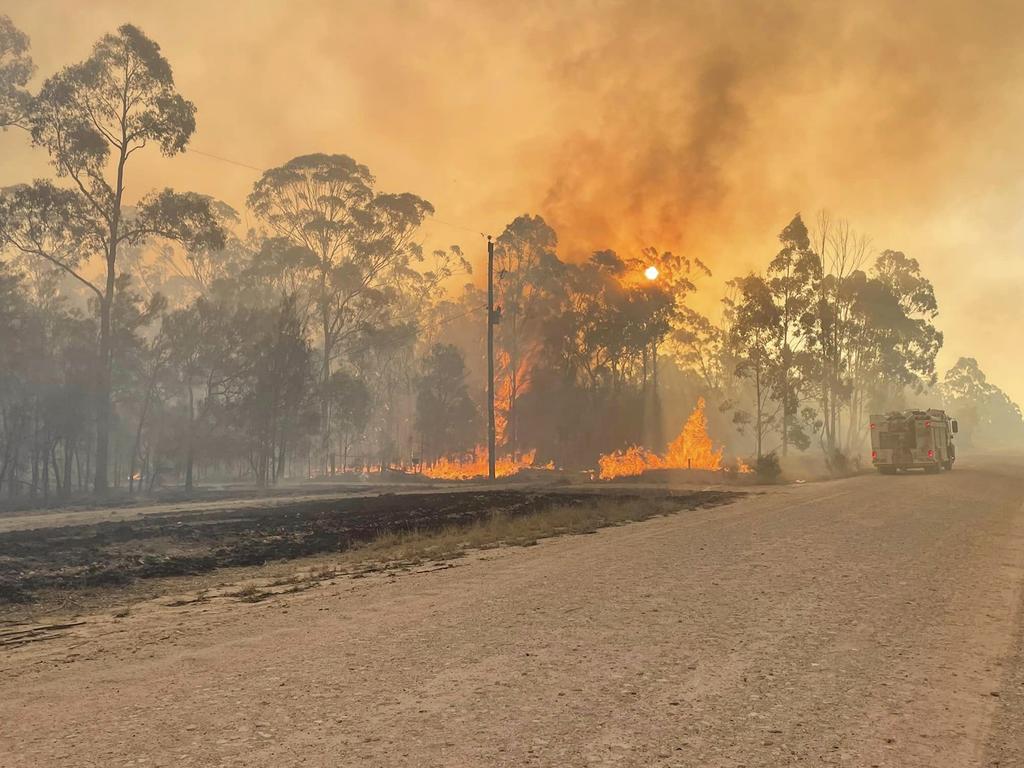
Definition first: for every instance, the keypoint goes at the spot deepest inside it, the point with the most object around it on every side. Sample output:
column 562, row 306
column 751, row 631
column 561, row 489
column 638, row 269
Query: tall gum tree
column 753, row 319
column 92, row 118
column 355, row 249
column 791, row 277
column 15, row 70
column 527, row 268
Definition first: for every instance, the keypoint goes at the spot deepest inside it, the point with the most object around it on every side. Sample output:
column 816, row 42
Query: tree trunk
column 103, row 375
column 35, row 467
column 325, row 395
column 58, row 479
column 785, row 401
column 190, row 450
column 138, row 431
column 103, row 396
column 12, row 482
column 758, row 411
column 69, row 453
column 281, row 457
column 46, row 472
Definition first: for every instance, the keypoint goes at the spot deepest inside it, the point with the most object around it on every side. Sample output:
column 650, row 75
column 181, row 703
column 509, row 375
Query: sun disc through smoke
column 651, row 273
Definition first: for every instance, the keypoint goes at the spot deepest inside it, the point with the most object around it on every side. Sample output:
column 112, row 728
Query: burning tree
column 527, row 269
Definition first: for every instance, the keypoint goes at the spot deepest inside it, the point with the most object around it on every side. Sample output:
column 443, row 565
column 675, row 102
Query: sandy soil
column 869, row 621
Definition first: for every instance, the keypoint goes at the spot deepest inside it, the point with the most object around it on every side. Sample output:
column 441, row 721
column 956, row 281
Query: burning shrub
column 692, row 449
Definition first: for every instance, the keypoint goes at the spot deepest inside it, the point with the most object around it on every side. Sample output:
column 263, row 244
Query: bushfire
column 475, row 465
column 692, row 449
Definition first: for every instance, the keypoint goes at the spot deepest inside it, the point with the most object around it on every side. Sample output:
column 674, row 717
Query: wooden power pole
column 490, row 359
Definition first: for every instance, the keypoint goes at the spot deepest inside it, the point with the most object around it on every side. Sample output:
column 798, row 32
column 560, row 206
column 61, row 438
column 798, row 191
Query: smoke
column 658, row 183
column 698, row 127
column 694, row 118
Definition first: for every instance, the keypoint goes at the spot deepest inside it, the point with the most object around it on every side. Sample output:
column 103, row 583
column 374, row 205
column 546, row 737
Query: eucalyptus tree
column 15, row 70
column 791, row 277
column 183, row 273
column 355, row 247
column 842, row 253
column 93, row 118
column 985, row 412
column 446, row 416
column 273, row 405
column 14, row 360
column 350, row 411
column 753, row 320
column 527, row 270
column 207, row 351
column 893, row 341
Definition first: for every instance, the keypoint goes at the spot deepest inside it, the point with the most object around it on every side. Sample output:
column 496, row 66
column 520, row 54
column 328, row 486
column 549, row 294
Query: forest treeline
column 158, row 341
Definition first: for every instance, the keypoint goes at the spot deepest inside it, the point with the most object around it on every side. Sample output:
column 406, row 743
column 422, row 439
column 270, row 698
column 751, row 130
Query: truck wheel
column 948, row 466
column 933, row 470
column 887, row 470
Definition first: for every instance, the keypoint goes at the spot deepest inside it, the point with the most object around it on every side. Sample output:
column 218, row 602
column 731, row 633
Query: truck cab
column 913, row 439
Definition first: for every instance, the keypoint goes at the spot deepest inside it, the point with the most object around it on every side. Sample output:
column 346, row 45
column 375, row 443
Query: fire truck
column 913, row 440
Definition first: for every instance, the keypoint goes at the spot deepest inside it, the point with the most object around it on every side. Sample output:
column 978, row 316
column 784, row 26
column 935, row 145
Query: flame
column 692, row 449
column 475, row 465
column 503, row 390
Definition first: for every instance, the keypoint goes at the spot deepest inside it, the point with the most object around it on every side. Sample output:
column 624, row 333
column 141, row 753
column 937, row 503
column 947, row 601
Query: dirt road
column 869, row 621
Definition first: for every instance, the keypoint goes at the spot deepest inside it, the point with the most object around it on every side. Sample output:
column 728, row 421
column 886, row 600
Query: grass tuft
column 502, row 529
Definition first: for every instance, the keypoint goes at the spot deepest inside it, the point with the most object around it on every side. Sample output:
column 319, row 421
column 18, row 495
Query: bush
column 768, row 469
column 838, row 462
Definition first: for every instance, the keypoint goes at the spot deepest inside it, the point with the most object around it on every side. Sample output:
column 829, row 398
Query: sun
column 651, row 273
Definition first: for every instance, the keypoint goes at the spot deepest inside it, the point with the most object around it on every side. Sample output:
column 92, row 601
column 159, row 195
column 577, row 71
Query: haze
column 568, row 383
column 694, row 127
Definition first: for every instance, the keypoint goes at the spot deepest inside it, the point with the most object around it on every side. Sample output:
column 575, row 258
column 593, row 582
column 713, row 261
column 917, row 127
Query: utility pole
column 490, row 359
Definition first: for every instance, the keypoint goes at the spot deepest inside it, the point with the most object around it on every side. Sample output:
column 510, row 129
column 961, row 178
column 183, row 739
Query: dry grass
column 499, row 529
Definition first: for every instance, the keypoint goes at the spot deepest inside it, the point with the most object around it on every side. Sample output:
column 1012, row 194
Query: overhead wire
column 224, row 159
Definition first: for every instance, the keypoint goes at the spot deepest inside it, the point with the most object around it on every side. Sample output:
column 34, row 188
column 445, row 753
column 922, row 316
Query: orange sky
column 699, row 127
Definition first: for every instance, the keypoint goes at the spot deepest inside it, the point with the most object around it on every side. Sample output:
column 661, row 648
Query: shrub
column 768, row 469
column 838, row 462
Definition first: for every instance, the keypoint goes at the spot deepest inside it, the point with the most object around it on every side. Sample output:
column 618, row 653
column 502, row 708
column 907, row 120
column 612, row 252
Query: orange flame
column 475, row 466
column 503, row 391
column 692, row 449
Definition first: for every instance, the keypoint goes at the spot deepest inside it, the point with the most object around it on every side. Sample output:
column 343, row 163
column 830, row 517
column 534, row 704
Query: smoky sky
column 699, row 127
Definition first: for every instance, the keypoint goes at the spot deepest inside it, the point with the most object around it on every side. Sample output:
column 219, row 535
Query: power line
column 461, row 315
column 453, row 318
column 225, row 159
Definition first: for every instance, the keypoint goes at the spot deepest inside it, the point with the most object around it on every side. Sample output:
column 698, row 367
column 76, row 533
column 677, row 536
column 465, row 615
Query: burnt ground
column 175, row 543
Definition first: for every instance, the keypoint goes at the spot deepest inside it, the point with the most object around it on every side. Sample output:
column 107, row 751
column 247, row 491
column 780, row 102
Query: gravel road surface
column 873, row 621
